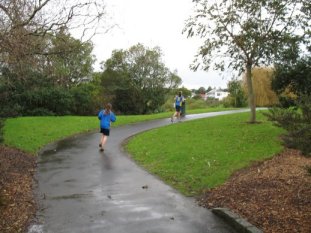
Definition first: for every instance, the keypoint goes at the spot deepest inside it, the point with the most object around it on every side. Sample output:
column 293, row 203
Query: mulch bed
column 274, row 195
column 17, row 205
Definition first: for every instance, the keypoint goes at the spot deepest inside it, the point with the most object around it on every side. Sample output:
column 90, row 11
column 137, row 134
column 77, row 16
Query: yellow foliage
column 288, row 93
column 261, row 79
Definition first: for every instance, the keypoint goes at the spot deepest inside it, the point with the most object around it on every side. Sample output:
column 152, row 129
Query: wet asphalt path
column 82, row 190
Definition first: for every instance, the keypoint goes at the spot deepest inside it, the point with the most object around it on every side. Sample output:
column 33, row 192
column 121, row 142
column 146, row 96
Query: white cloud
column 156, row 23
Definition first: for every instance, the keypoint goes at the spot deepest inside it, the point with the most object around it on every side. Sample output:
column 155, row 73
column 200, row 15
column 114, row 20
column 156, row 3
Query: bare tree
column 25, row 25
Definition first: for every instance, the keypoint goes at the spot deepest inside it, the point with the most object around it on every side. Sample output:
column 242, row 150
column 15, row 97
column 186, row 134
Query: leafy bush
column 297, row 122
column 195, row 104
column 36, row 94
column 286, row 101
column 83, row 101
column 237, row 97
column 40, row 112
column 197, row 97
column 212, row 102
column 291, row 80
column 11, row 109
column 228, row 101
column 52, row 100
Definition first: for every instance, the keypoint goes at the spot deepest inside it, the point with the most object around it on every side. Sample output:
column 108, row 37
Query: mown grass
column 192, row 156
column 30, row 134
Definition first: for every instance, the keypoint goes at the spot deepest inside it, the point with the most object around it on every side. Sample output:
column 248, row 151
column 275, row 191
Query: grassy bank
column 32, row 133
column 203, row 153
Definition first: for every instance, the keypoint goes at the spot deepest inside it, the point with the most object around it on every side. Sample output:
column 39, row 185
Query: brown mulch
column 274, row 195
column 17, row 205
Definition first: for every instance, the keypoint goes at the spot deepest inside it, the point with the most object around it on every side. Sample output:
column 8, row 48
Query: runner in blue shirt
column 106, row 116
column 178, row 101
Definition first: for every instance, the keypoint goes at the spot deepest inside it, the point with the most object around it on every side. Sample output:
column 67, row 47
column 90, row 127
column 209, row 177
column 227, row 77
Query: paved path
column 83, row 190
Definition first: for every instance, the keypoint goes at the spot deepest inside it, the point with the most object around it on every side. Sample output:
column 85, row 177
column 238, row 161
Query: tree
column 38, row 55
column 261, row 79
column 291, row 81
column 201, row 90
column 237, row 95
column 24, row 25
column 209, row 89
column 185, row 92
column 137, row 80
column 294, row 79
column 248, row 33
column 70, row 60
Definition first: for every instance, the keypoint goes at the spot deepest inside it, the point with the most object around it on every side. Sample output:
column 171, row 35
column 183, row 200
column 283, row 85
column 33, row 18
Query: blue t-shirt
column 105, row 119
column 178, row 100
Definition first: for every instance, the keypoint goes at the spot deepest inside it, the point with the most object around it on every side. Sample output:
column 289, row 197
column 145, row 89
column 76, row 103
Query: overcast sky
column 156, row 23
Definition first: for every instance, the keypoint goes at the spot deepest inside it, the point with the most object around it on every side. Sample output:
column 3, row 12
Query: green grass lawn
column 30, row 134
column 199, row 154
column 189, row 156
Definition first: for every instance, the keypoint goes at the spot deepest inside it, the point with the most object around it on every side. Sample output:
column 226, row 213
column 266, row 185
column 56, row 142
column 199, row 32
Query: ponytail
column 108, row 108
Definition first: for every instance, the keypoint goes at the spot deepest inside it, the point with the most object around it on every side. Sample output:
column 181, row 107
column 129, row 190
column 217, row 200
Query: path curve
column 82, row 190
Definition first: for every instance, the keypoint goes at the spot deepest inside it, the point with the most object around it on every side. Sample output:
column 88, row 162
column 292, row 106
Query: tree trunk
column 251, row 96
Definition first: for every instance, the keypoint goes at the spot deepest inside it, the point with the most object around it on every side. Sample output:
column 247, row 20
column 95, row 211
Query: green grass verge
column 200, row 154
column 30, row 134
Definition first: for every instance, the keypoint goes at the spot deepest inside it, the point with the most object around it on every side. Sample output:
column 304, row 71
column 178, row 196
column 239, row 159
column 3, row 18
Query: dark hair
column 179, row 93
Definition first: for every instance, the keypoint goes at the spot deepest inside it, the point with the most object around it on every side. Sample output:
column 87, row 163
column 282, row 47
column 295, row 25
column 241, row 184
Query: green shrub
column 212, row 102
column 83, row 101
column 11, row 109
column 227, row 102
column 197, row 97
column 195, row 103
column 40, row 112
column 297, row 122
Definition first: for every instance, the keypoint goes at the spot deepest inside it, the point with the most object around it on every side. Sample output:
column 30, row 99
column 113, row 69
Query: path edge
column 235, row 221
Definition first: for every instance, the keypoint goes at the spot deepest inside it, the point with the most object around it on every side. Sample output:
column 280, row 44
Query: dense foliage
column 237, row 97
column 265, row 96
column 43, row 69
column 54, row 86
column 292, row 82
column 136, row 80
column 297, row 122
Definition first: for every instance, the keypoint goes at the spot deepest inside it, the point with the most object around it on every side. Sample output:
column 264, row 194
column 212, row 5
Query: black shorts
column 105, row 131
column 177, row 108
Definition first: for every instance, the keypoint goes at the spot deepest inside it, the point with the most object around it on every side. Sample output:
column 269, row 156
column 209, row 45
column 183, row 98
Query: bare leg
column 172, row 118
column 101, row 140
column 104, row 140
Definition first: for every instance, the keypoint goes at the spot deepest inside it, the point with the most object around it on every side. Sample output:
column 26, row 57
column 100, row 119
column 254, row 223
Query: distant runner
column 178, row 101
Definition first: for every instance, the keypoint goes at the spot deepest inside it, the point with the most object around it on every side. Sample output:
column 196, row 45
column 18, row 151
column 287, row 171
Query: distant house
column 203, row 96
column 217, row 94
